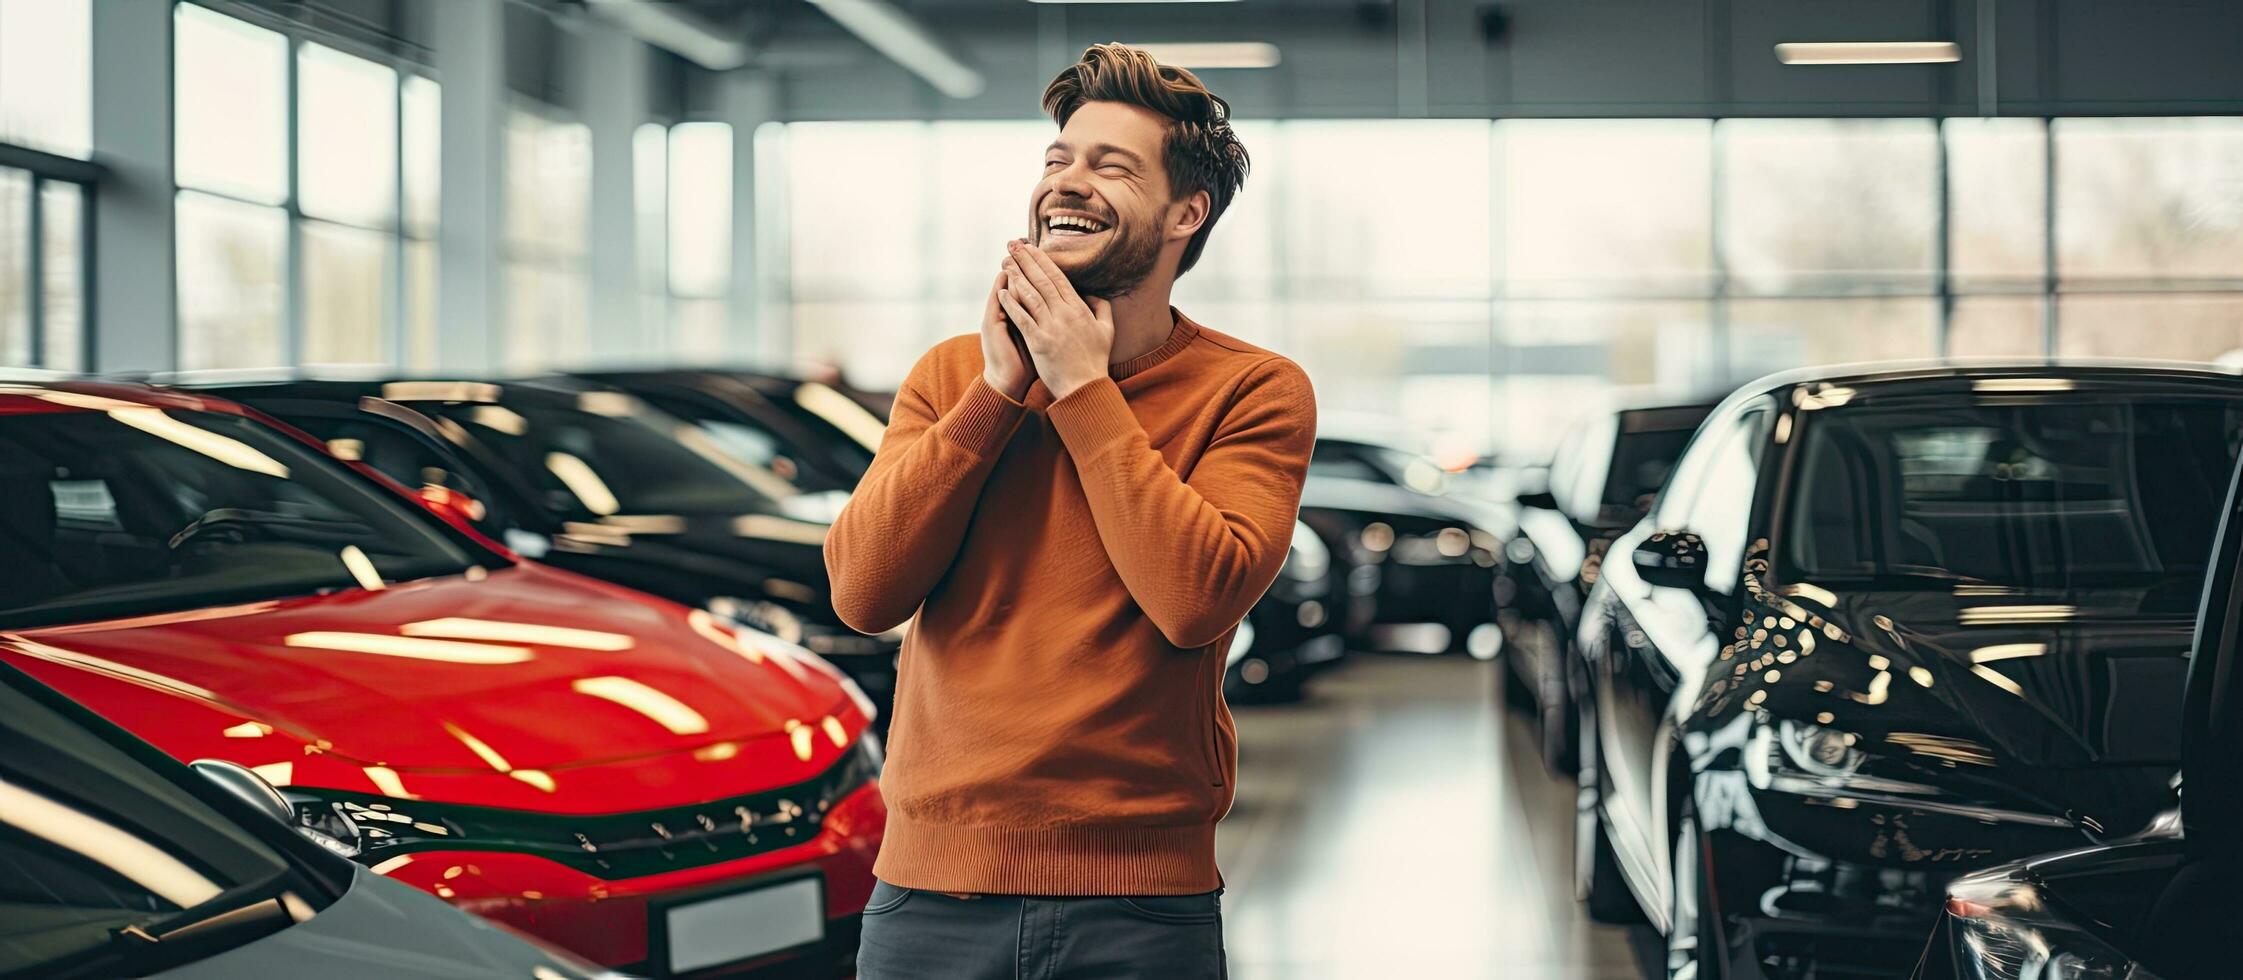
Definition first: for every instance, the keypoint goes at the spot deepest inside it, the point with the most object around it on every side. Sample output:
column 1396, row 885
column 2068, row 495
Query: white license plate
column 746, row 924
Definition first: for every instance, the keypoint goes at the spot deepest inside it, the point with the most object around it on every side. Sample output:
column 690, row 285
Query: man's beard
column 1118, row 267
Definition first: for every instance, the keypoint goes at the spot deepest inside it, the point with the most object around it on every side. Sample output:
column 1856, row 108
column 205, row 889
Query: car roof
column 1887, row 378
column 28, row 383
column 323, row 385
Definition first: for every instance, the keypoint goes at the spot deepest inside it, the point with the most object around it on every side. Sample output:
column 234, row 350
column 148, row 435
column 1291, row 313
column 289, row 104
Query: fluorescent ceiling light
column 1868, row 52
column 1132, row 1
column 905, row 41
column 1213, row 54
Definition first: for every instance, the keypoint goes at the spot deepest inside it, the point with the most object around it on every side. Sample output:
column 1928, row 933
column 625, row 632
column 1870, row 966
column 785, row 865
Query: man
column 1079, row 504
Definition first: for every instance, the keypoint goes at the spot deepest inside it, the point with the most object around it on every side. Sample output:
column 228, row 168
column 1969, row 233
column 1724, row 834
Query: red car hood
column 460, row 681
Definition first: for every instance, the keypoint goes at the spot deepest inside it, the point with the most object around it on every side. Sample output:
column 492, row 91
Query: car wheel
column 1597, row 880
column 1694, row 945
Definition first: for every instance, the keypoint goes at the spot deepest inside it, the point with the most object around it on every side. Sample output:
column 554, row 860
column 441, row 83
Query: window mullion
column 292, row 304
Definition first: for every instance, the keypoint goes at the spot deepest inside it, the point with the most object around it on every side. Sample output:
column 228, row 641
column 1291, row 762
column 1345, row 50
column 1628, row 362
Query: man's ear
column 1186, row 216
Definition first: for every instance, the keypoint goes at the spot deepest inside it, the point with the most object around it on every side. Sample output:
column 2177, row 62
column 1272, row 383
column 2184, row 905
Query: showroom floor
column 1397, row 823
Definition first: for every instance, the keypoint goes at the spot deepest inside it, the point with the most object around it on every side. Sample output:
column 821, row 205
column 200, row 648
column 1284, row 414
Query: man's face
column 1102, row 209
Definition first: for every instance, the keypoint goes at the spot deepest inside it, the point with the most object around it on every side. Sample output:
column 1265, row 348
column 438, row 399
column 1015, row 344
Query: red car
column 625, row 777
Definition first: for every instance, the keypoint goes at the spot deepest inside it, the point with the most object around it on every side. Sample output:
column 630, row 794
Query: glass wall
column 548, row 201
column 46, row 107
column 1477, row 286
column 305, row 238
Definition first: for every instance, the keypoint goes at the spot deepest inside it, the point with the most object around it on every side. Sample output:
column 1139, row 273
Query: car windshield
column 112, row 508
column 2047, row 494
column 610, row 454
column 93, row 841
column 1640, row 463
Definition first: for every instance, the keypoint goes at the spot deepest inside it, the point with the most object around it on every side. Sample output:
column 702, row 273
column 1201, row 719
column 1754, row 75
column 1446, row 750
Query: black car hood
column 2068, row 700
column 753, row 556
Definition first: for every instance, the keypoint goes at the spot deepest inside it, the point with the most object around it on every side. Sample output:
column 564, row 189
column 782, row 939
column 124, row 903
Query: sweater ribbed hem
column 1092, row 418
column 982, row 420
column 1076, row 859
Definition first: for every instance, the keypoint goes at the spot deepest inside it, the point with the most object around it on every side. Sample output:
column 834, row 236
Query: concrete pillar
column 614, row 96
column 471, row 297
column 758, row 331
column 135, row 319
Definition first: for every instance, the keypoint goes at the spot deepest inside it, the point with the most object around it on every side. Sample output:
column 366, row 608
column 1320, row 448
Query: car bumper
column 1790, row 917
column 610, row 921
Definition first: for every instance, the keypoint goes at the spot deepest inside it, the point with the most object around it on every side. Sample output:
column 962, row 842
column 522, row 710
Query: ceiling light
column 1868, row 52
column 890, row 31
column 1132, row 1
column 1213, row 54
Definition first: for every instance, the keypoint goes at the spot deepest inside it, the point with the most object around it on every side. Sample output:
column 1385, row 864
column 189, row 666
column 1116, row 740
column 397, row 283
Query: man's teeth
column 1069, row 224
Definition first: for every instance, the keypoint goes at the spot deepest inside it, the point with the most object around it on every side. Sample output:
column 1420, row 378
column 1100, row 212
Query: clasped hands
column 1036, row 326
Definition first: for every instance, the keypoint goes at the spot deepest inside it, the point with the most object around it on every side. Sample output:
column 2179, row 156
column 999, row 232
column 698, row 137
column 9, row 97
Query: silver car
column 116, row 860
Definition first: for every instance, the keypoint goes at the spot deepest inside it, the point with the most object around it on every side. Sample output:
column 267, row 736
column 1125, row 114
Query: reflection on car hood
column 1336, row 493
column 529, row 669
column 2073, row 698
column 2077, row 679
column 727, row 555
column 358, row 937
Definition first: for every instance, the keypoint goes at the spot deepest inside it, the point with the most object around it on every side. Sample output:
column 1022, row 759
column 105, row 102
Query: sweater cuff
column 1092, row 418
column 982, row 421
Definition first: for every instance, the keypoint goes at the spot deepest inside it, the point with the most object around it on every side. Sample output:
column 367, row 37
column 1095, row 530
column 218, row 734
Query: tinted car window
column 1720, row 479
column 128, row 509
column 92, row 841
column 2046, row 494
column 623, row 458
column 1640, row 464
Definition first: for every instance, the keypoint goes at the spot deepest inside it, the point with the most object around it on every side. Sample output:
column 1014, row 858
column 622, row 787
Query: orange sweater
column 1078, row 568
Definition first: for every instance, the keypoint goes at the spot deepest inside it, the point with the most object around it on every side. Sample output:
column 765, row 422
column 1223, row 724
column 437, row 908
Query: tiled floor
column 1398, row 824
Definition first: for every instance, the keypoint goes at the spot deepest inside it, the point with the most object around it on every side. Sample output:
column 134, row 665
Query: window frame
column 396, row 226
column 50, row 168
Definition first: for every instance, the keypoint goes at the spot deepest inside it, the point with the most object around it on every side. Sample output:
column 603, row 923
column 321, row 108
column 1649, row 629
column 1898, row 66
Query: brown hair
column 1201, row 152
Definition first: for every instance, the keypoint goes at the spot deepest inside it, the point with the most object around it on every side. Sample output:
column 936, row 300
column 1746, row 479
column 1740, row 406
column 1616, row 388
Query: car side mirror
column 1672, row 559
column 244, row 783
column 460, row 508
column 1539, row 500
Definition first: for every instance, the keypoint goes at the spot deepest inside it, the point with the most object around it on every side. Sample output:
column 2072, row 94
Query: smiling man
column 1079, row 503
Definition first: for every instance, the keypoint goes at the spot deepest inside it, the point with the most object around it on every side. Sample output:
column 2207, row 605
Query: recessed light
column 1213, row 54
column 1868, row 52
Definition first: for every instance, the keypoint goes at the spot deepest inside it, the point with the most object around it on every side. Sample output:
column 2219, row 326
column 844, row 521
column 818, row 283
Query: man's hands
column 1006, row 364
column 1069, row 339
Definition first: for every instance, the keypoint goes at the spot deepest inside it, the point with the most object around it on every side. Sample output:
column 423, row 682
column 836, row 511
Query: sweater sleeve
column 902, row 526
column 1196, row 554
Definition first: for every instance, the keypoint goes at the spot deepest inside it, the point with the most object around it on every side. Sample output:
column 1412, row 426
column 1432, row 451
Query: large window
column 682, row 192
column 304, row 238
column 46, row 124
column 46, row 77
column 1491, row 282
column 548, row 201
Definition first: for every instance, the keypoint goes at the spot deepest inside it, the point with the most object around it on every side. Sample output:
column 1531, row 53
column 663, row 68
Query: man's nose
column 1073, row 179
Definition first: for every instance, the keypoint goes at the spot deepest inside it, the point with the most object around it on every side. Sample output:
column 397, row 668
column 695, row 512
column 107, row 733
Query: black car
column 817, row 436
column 822, row 438
column 1886, row 627
column 1419, row 562
column 593, row 480
column 1290, row 633
column 2158, row 904
column 1601, row 481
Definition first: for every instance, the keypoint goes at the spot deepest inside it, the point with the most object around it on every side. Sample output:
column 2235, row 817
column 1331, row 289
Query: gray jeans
column 919, row 935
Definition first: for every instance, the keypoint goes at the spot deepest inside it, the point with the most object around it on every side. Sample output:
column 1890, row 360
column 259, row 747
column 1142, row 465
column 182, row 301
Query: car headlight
column 1306, row 559
column 1797, row 757
column 352, row 826
column 1241, row 641
column 2005, row 931
column 1819, row 751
